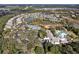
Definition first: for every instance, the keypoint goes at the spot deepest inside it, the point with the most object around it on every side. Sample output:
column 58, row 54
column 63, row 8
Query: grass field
column 3, row 20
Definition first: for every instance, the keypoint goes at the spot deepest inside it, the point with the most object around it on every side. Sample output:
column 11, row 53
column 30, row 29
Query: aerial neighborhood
column 31, row 29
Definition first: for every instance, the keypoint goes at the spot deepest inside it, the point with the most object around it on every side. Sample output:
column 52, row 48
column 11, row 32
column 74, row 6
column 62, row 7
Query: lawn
column 3, row 20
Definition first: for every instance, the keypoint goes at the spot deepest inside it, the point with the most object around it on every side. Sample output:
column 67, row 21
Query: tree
column 55, row 49
column 41, row 33
column 75, row 46
column 30, row 46
column 39, row 50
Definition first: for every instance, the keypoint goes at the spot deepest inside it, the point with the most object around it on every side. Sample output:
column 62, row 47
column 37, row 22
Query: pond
column 34, row 27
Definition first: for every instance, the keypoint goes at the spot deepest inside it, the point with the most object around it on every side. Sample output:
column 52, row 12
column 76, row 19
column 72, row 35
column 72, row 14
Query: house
column 19, row 20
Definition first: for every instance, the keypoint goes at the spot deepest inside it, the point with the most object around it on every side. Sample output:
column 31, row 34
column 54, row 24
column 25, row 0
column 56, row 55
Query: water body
column 34, row 27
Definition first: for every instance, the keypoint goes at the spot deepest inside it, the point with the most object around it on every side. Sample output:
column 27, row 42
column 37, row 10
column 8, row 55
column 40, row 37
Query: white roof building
column 55, row 40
